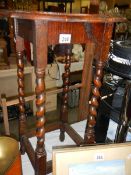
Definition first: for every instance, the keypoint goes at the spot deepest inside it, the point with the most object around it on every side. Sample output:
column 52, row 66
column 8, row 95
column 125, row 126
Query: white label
column 64, row 38
column 99, row 156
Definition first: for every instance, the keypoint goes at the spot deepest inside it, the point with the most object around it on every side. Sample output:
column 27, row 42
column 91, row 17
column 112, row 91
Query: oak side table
column 43, row 29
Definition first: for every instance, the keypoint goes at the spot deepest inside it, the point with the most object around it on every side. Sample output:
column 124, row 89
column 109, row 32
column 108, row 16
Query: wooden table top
column 62, row 17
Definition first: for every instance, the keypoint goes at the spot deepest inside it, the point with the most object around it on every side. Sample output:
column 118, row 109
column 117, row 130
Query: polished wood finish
column 66, row 82
column 10, row 156
column 89, row 133
column 15, row 167
column 43, row 29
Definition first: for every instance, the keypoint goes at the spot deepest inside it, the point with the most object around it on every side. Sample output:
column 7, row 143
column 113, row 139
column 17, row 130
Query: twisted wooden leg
column 89, row 132
column 40, row 153
column 66, row 82
column 22, row 117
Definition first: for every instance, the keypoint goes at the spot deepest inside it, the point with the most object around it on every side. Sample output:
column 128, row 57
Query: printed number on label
column 99, row 156
column 64, row 38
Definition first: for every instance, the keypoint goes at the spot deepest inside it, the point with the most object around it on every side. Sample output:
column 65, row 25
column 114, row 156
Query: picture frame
column 114, row 159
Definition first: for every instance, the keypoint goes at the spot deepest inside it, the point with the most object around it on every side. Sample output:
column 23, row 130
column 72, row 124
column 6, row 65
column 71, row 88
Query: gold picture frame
column 114, row 159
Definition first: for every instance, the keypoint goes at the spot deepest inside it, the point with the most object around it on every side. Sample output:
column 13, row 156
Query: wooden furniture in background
column 3, row 4
column 11, row 36
column 9, row 77
column 3, row 51
column 84, row 9
column 5, row 114
column 94, row 7
column 9, row 94
column 65, row 2
column 93, row 30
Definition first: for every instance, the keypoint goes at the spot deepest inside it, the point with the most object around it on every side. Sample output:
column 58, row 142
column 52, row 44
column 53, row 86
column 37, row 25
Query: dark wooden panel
column 56, row 28
column 23, row 26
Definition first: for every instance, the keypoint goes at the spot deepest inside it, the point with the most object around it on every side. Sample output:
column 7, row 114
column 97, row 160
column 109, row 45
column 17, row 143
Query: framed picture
column 114, row 159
